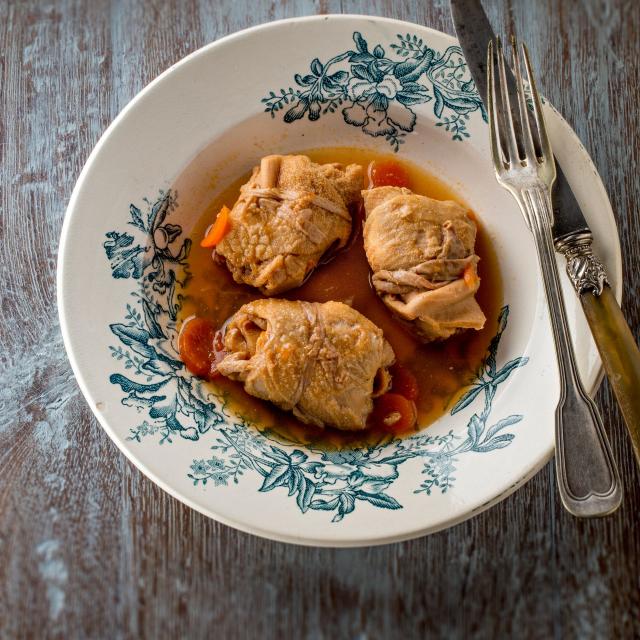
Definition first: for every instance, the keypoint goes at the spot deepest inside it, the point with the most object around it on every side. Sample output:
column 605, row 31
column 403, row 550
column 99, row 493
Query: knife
column 572, row 237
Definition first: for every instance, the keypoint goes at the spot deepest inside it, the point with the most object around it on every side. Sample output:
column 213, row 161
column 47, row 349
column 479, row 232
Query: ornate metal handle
column 588, row 480
column 586, row 272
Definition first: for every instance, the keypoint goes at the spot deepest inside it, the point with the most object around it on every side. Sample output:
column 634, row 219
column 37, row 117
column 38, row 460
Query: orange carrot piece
column 393, row 412
column 218, row 229
column 404, row 382
column 470, row 276
column 387, row 173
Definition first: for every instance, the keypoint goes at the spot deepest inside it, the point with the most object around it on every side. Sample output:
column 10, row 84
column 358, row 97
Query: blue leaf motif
column 362, row 72
column 305, row 81
column 157, row 367
column 136, row 217
column 153, row 326
column 361, row 43
column 130, row 385
column 361, row 57
column 321, row 505
column 499, row 442
column 411, row 70
column 202, row 412
column 130, row 335
column 166, row 410
column 159, row 210
column 467, row 398
column 501, row 424
column 277, row 477
column 311, row 467
column 414, row 87
column 508, row 368
column 339, row 77
column 502, row 320
column 461, row 105
column 346, row 504
column 134, row 338
column 294, row 480
column 278, row 455
column 438, row 105
column 409, row 99
column 475, row 428
column 306, row 492
column 381, row 500
column 316, row 67
column 126, row 261
column 375, row 72
column 298, row 457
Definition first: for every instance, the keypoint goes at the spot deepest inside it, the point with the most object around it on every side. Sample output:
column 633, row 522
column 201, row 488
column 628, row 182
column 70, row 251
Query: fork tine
column 494, row 133
column 545, row 145
column 508, row 131
column 527, row 141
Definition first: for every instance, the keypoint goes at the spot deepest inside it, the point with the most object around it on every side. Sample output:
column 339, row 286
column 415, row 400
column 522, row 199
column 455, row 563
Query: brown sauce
column 441, row 369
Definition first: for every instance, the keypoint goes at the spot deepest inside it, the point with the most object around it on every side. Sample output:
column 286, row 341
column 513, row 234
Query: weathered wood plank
column 90, row 548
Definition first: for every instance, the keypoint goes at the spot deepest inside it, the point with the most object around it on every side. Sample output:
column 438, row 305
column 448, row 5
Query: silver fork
column 588, row 480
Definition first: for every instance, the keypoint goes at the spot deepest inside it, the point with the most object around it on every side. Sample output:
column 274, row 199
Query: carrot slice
column 393, row 412
column 470, row 276
column 218, row 229
column 388, row 173
column 404, row 382
column 201, row 347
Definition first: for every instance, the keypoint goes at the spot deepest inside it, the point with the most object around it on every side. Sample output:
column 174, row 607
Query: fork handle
column 620, row 356
column 588, row 480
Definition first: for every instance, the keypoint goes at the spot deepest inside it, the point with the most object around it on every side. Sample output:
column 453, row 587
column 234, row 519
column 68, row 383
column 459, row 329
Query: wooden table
column 91, row 548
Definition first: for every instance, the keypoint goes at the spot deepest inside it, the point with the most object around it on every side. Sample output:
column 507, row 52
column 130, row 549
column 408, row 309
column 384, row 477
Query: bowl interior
column 214, row 166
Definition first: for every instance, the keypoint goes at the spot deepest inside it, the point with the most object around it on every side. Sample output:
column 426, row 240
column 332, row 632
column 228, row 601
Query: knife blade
column 474, row 33
column 615, row 341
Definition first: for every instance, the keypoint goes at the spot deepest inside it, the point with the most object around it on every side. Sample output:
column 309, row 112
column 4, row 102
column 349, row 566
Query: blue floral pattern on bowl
column 375, row 92
column 174, row 403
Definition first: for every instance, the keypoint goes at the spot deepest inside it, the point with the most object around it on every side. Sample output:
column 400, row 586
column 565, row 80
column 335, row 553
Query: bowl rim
column 72, row 212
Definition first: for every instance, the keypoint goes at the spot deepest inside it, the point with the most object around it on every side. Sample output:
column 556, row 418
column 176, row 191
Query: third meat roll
column 325, row 362
column 422, row 254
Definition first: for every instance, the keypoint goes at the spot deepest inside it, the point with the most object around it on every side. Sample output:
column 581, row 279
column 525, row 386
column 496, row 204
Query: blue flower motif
column 145, row 429
column 381, row 88
column 219, row 478
column 376, row 92
column 199, row 467
column 215, row 463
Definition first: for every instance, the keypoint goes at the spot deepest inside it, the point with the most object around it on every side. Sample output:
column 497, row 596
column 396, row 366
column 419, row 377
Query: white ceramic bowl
column 362, row 81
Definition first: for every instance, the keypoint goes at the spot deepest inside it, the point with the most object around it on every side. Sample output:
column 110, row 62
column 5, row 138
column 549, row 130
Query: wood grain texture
column 89, row 548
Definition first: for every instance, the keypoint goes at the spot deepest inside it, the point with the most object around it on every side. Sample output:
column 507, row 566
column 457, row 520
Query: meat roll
column 421, row 252
column 290, row 213
column 324, row 362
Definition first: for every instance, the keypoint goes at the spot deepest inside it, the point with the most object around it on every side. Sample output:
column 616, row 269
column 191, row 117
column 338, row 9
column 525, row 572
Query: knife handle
column 620, row 356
